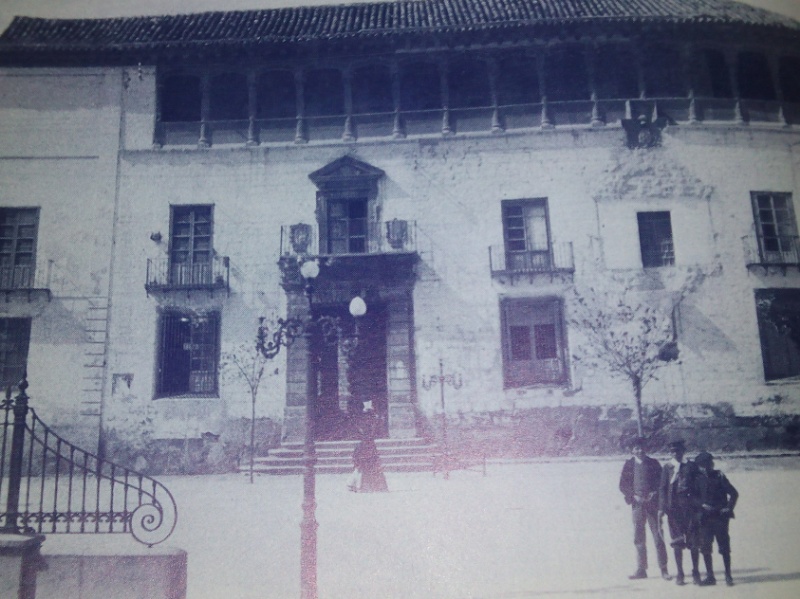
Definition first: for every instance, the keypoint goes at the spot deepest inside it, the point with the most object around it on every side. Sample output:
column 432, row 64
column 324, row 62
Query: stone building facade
column 461, row 170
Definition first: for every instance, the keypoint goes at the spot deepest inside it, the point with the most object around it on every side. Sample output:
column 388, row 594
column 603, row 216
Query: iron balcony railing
column 394, row 236
column 556, row 258
column 166, row 275
column 778, row 250
column 50, row 486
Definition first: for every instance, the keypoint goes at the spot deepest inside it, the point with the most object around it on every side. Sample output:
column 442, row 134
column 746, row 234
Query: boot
column 639, row 574
column 726, row 560
column 679, row 578
column 709, row 580
column 695, row 569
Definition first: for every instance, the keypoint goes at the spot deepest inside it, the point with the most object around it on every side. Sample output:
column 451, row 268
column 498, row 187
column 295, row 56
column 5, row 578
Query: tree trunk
column 252, row 437
column 637, row 392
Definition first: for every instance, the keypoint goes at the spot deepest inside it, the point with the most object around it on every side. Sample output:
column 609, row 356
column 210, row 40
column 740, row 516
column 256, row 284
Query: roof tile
column 367, row 19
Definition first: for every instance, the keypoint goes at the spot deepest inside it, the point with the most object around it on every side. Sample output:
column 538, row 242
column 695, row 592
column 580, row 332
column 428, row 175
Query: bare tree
column 245, row 363
column 630, row 331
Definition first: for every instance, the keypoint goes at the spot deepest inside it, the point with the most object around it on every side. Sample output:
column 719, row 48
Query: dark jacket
column 678, row 494
column 715, row 490
column 652, row 477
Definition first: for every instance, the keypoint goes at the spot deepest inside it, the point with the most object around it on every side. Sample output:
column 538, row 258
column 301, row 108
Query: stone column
column 19, row 562
column 297, row 381
column 205, row 110
column 399, row 366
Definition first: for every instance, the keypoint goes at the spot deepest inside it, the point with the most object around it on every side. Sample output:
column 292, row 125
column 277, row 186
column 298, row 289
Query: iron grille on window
column 15, row 334
column 655, row 239
column 189, row 353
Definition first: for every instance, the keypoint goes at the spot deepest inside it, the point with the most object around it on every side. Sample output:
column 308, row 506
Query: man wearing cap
column 639, row 483
column 675, row 500
column 715, row 497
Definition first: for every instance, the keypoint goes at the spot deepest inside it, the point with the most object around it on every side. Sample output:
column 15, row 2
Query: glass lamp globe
column 358, row 307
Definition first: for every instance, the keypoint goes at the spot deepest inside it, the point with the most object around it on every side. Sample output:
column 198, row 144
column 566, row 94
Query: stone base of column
column 19, row 562
column 402, row 421
column 294, row 424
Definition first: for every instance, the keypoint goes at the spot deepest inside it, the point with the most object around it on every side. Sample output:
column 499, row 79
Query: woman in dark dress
column 367, row 461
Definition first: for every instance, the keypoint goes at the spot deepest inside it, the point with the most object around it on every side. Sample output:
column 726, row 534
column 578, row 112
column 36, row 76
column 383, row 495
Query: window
column 655, row 239
column 420, row 87
column 663, row 73
column 189, row 353
column 18, row 247
column 372, row 90
column 190, row 245
column 533, row 342
column 566, row 74
column 347, row 226
column 468, row 80
column 180, row 99
column 275, row 92
column 228, row 97
column 526, row 235
column 517, row 79
column 755, row 80
column 15, row 334
column 615, row 73
column 324, row 93
column 788, row 69
column 778, row 312
column 776, row 227
column 713, row 75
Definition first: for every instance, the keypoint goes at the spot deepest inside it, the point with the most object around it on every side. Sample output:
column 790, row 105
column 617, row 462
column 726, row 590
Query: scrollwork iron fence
column 50, row 486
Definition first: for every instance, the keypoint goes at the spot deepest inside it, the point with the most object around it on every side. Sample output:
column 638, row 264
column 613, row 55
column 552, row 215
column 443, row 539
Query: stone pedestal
column 19, row 562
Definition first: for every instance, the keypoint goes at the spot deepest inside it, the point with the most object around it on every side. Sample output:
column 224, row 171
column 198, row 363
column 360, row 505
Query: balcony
column 25, row 282
column 557, row 260
column 384, row 252
column 392, row 237
column 165, row 276
column 780, row 252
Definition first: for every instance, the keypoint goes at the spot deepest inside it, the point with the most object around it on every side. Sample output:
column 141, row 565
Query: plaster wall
column 453, row 188
column 58, row 152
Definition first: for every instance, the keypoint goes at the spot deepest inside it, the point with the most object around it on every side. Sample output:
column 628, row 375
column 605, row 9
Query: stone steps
column 397, row 455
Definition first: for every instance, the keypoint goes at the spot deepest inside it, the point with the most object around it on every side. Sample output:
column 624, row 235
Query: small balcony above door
column 510, row 265
column 165, row 275
column 25, row 282
column 352, row 238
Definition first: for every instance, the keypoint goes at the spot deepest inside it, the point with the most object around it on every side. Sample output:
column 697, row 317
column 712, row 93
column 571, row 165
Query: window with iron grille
column 778, row 312
column 776, row 227
column 190, row 245
column 526, row 233
column 15, row 334
column 533, row 342
column 347, row 226
column 655, row 239
column 188, row 354
column 18, row 227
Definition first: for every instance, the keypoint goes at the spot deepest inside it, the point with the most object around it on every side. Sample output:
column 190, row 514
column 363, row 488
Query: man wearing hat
column 639, row 484
column 715, row 497
column 675, row 500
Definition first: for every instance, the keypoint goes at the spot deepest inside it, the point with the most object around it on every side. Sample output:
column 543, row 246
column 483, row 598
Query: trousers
column 647, row 513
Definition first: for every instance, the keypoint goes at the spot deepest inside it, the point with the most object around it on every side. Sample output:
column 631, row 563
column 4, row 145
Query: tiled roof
column 365, row 20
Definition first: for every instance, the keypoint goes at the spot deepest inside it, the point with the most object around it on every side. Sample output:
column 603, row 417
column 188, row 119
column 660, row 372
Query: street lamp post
column 443, row 379
column 269, row 344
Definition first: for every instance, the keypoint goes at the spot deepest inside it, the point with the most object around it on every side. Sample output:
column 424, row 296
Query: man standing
column 639, row 483
column 715, row 499
column 675, row 500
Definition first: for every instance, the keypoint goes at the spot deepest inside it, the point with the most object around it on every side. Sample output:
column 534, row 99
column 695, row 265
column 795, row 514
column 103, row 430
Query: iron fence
column 50, row 486
column 555, row 258
column 388, row 237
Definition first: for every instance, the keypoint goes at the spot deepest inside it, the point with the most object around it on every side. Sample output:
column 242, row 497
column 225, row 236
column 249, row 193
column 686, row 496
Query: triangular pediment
column 346, row 171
